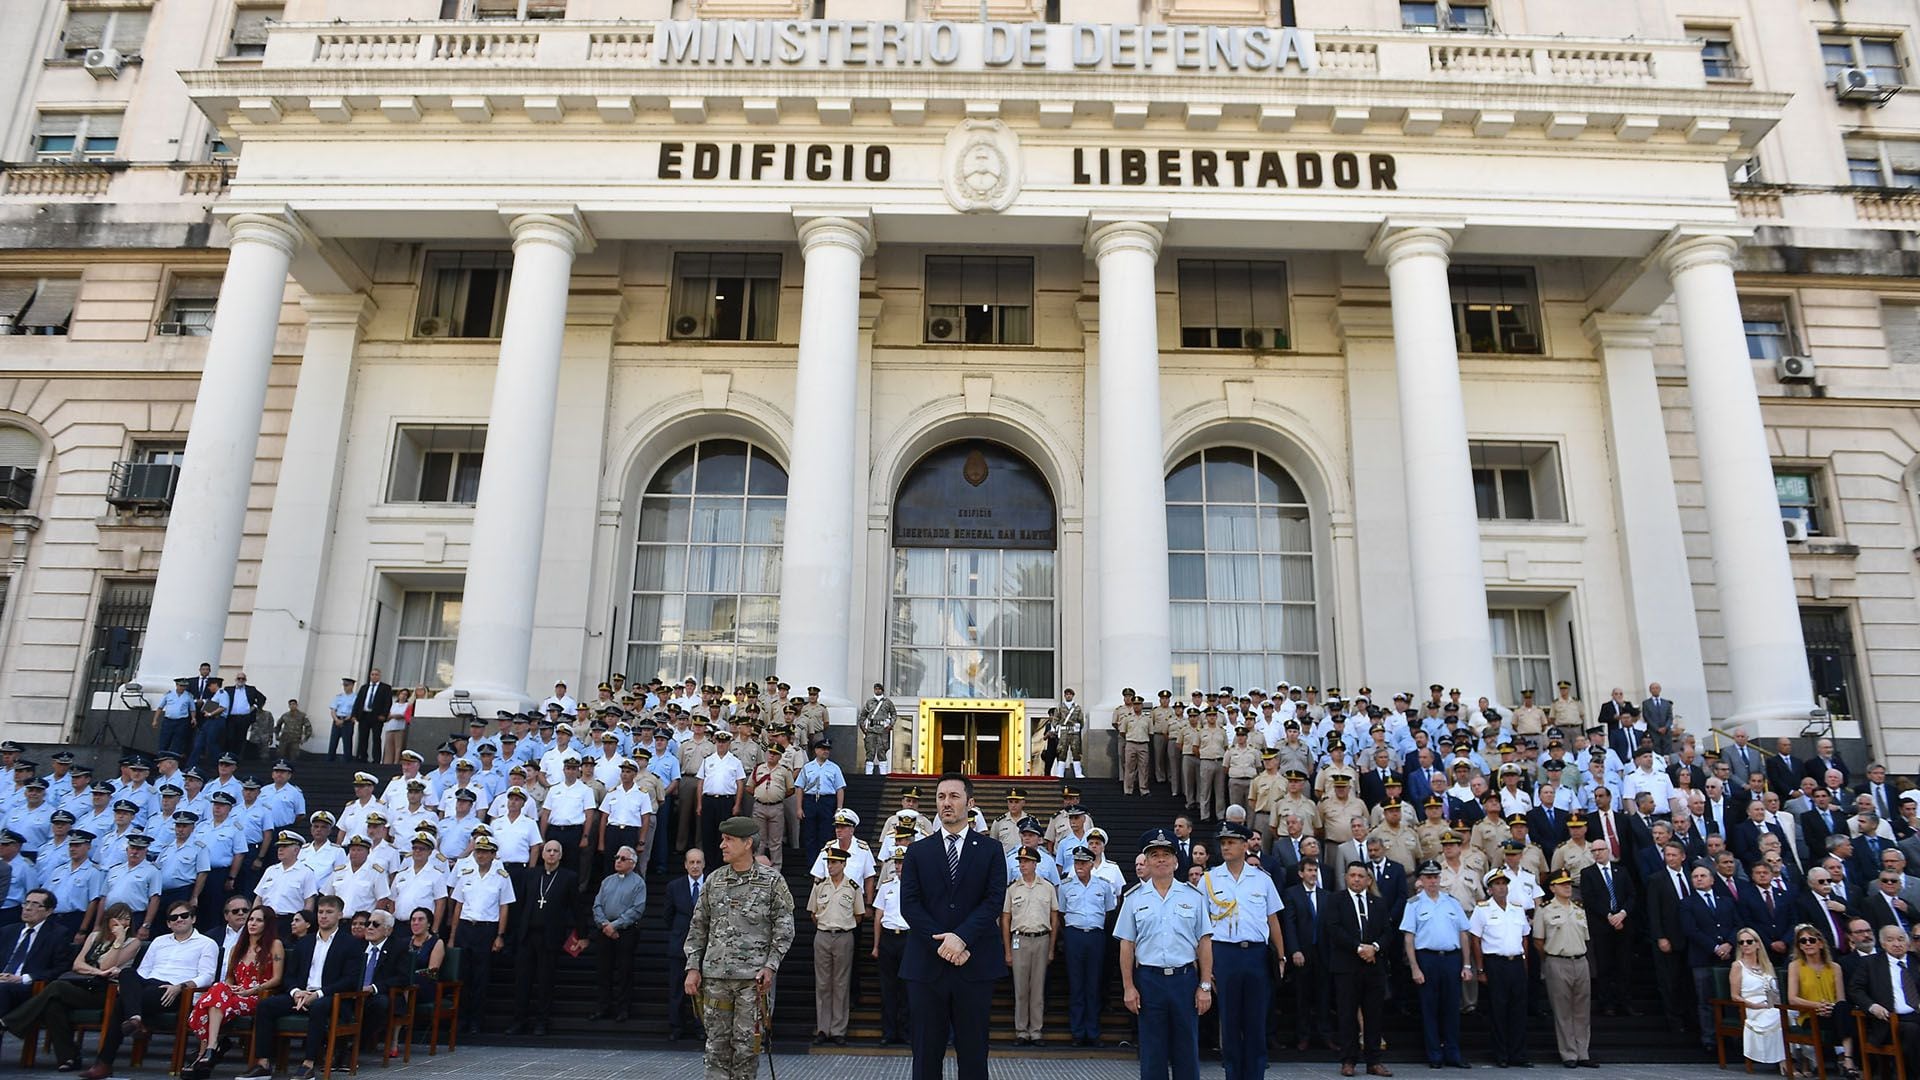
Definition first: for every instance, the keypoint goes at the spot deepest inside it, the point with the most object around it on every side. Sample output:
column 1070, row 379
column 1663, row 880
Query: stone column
column 195, row 586
column 1665, row 631
column 816, row 557
column 1449, row 586
column 1135, row 618
column 509, row 517
column 1759, row 612
column 293, row 568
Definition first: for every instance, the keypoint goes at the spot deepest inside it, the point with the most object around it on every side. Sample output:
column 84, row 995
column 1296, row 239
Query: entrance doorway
column 972, row 736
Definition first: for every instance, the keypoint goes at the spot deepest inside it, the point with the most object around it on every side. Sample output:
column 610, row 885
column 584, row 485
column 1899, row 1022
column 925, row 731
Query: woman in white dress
column 393, row 736
column 1752, row 983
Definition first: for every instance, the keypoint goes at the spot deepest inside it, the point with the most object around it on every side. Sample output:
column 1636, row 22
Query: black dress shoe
column 839, row 1040
column 1589, row 1063
column 599, row 1014
column 1459, row 1065
column 622, row 1015
column 819, row 1039
column 521, row 1028
column 1523, row 1064
column 1569, row 1064
column 1435, row 1065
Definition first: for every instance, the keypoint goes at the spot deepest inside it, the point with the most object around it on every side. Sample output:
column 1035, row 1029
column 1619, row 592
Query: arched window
column 706, row 572
column 1240, row 572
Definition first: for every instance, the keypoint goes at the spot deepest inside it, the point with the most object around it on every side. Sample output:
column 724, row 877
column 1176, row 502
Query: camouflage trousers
column 730, row 1008
column 879, row 743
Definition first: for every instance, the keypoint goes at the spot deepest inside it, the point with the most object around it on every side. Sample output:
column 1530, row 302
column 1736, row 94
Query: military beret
column 740, row 828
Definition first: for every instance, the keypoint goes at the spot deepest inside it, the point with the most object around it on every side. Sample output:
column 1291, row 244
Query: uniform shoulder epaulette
column 1131, row 889
column 861, row 844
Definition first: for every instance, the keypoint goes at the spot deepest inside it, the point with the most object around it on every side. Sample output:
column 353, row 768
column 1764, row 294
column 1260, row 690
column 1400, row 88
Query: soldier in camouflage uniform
column 876, row 728
column 741, row 929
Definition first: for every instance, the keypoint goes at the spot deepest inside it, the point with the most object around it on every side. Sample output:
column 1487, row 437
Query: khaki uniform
column 771, row 782
column 742, row 923
column 1427, row 838
column 1572, row 857
column 1534, row 861
column 1262, row 796
column 1560, row 930
column 1243, row 764
column 1136, row 770
column 1212, row 751
column 1529, row 720
column 1402, row 845
column 1486, row 838
column 1567, row 714
column 1006, row 829
column 813, row 723
column 1188, row 739
column 1163, row 762
column 750, row 753
column 1060, row 826
column 836, row 911
column 1323, row 780
column 1300, row 806
column 1336, row 817
column 1030, row 908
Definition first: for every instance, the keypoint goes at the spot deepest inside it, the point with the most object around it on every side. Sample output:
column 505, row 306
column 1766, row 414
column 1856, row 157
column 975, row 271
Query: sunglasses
column 1807, row 941
column 179, row 915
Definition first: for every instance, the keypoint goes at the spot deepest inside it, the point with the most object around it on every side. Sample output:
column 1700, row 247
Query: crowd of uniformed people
column 1340, row 859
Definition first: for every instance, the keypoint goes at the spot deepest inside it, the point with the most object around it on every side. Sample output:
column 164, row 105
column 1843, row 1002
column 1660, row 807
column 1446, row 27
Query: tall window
column 1799, row 492
column 980, row 299
column 437, row 463
column 1233, row 304
column 1769, row 327
column 972, row 623
column 103, row 29
column 1495, row 309
column 1240, row 567
column 19, row 459
column 423, row 650
column 463, row 294
column 1718, row 55
column 726, row 296
column 190, row 307
column 248, row 38
column 1521, row 655
column 706, row 576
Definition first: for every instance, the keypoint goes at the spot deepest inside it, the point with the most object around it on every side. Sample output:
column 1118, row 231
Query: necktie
column 696, row 891
column 1360, row 909
column 1907, row 985
column 1711, row 906
column 1769, row 903
column 1898, row 921
column 1679, row 885
column 373, row 961
column 1606, row 875
column 1613, row 838
column 953, row 857
column 19, row 958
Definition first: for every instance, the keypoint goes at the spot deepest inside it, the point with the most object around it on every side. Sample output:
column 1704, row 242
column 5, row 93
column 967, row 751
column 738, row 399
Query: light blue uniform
column 1166, row 932
column 1085, row 907
column 179, row 862
column 132, row 886
column 1043, row 868
column 74, row 888
column 26, row 877
column 283, row 805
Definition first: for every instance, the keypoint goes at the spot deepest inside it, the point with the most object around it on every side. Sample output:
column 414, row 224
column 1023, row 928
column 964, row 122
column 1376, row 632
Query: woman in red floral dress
column 253, row 972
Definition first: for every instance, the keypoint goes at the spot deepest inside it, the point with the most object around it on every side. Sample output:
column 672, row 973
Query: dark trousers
column 1086, row 949
column 1675, row 985
column 677, row 990
column 235, row 736
column 570, row 851
column 1312, row 1018
column 943, row 1007
column 662, row 836
column 319, row 1015
column 1169, row 1027
column 367, row 737
column 373, row 1022
column 617, row 837
column 614, row 963
column 893, row 995
column 1360, row 997
column 340, row 738
column 477, row 939
column 139, row 996
column 1703, row 988
column 176, row 734
column 53, row 1009
column 1243, row 992
column 714, row 809
column 1909, row 1038
column 1506, row 1005
column 534, row 958
column 817, row 827
column 1440, row 1003
column 209, row 740
column 1607, row 955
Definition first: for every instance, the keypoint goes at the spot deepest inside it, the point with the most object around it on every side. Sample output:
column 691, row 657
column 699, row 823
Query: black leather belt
column 1241, row 944
column 891, row 930
column 1032, row 933
column 831, row 930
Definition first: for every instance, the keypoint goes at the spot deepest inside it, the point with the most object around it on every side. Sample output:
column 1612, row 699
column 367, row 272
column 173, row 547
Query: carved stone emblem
column 974, row 471
column 982, row 166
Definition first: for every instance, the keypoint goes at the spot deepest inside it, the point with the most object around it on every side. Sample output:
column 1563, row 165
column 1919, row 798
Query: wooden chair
column 403, row 1002
column 444, row 1008
column 338, row 1027
column 182, row 1013
column 1889, row 1049
column 1724, row 1005
column 1809, row 1036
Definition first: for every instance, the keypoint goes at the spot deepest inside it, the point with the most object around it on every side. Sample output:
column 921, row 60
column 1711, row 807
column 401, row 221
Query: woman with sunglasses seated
column 176, row 964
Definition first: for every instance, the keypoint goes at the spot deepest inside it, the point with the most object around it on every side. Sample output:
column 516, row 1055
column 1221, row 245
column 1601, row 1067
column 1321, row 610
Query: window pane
column 676, row 476
column 1229, row 474
column 718, row 520
column 760, row 570
column 1027, row 624
column 1233, row 577
column 1028, row 674
column 414, row 614
column 1189, row 626
column 713, row 569
column 1232, row 528
column 1186, row 528
column 665, row 519
column 1187, row 577
column 1533, row 632
column 723, row 467
column 1026, row 574
column 1183, row 483
column 766, row 521
column 973, row 622
column 446, row 616
column 972, row 573
column 765, row 476
column 660, row 567
column 1517, row 491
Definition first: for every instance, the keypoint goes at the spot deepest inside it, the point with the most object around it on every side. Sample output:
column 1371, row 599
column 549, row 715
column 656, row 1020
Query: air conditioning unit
column 431, row 326
column 103, row 63
column 171, row 329
column 1859, row 86
column 689, row 326
column 942, row 328
column 1794, row 369
column 1523, row 342
column 1261, row 339
column 1796, row 528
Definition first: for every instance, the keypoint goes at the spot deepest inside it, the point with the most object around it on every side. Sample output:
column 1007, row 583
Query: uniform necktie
column 1711, row 906
column 953, row 857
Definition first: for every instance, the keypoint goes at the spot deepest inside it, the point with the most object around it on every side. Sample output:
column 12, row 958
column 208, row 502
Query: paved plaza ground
column 559, row 1062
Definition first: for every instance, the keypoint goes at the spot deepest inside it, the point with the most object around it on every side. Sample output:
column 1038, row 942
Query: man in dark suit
column 1766, row 908
column 1357, row 929
column 203, row 685
column 1870, row 989
column 1783, row 768
column 1305, row 917
column 387, row 966
column 1817, row 906
column 1825, row 758
column 1664, row 886
column 1613, row 711
column 1547, row 825
column 370, row 708
column 1822, row 821
column 1743, row 838
column 1373, row 786
column 1184, row 843
column 1707, row 922
column 1659, row 714
column 33, row 950
column 1607, row 893
column 1879, row 902
column 682, row 891
column 326, row 963
column 952, row 886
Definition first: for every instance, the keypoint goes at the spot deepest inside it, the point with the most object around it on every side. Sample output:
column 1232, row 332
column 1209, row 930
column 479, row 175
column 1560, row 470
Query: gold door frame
column 926, row 733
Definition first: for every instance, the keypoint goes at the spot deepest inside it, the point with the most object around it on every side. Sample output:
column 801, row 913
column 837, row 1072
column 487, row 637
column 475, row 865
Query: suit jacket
column 1345, row 934
column 1890, row 812
column 1373, row 790
column 1775, row 926
column 1744, row 761
column 1817, row 767
column 47, row 957
column 1911, row 848
column 1816, row 830
column 1663, row 910
column 1810, row 909
column 1394, row 890
column 968, row 905
column 1549, row 835
column 1611, row 714
column 1872, row 905
column 201, row 687
column 1707, row 928
column 1870, row 983
column 1697, row 778
column 372, row 702
column 1783, row 773
column 1743, row 839
column 395, row 966
column 679, row 914
column 1865, row 868
column 1659, row 713
column 1694, row 842
column 1638, row 833
column 558, row 916
column 1305, row 928
column 342, row 968
column 1282, row 860
column 1593, row 893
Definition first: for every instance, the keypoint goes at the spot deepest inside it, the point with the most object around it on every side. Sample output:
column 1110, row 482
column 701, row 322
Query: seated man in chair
column 327, row 962
column 387, row 966
column 173, row 968
column 1886, row 988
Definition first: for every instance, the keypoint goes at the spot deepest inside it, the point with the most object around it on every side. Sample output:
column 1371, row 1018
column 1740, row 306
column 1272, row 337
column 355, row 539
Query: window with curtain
column 980, row 299
column 1240, row 570
column 1521, row 656
column 706, row 574
column 972, row 623
column 726, row 296
column 429, row 630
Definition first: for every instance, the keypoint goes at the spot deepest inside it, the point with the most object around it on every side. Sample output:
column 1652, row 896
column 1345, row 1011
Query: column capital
column 1143, row 230
column 341, row 310
column 1398, row 239
column 560, row 226
column 1611, row 330
column 274, row 225
column 1688, row 248
column 843, row 227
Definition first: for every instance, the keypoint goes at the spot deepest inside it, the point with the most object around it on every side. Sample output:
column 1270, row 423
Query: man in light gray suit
column 1658, row 713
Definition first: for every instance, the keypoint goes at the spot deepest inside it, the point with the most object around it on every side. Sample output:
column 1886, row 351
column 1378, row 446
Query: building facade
column 1217, row 342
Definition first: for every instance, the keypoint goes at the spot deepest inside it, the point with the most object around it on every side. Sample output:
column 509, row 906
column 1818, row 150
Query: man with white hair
column 617, row 909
